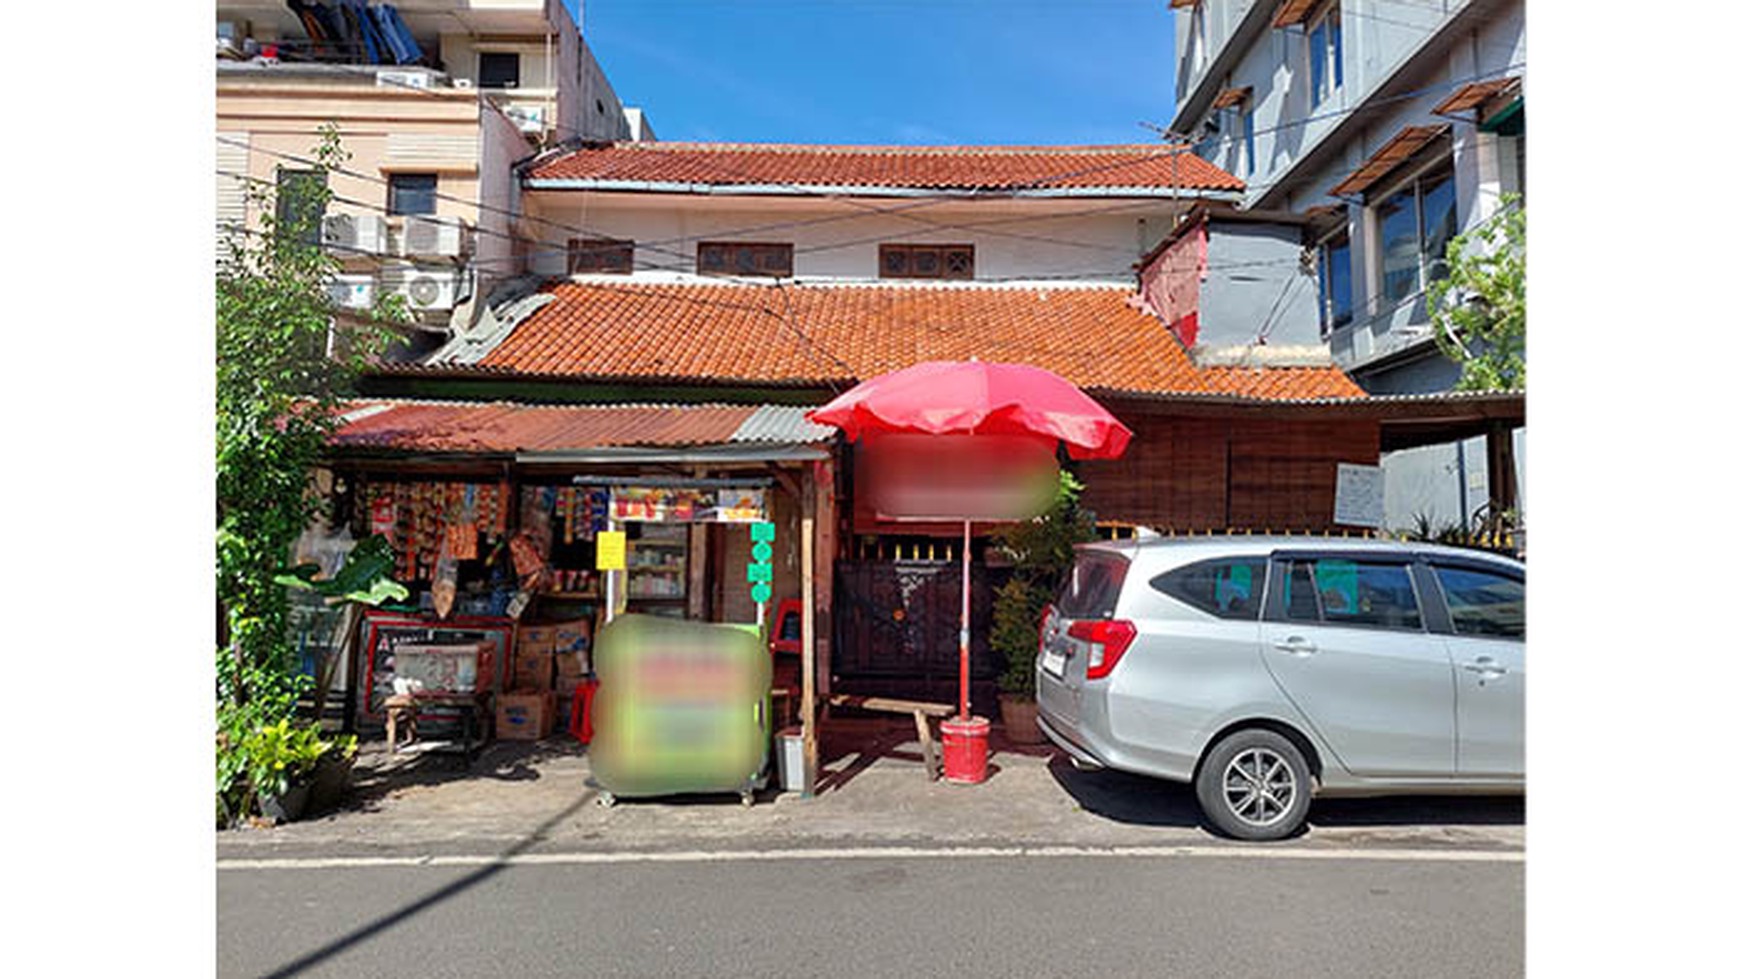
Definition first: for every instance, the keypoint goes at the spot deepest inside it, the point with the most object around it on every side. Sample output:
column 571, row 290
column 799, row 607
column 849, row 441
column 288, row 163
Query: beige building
column 434, row 103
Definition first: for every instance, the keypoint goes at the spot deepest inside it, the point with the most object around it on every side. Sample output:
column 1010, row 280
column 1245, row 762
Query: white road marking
column 876, row 853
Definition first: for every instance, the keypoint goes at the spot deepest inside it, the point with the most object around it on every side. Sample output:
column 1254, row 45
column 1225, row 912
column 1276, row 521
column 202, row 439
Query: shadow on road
column 1143, row 801
column 358, row 936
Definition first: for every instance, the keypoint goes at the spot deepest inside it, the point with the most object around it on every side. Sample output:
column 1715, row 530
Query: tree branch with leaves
column 1479, row 308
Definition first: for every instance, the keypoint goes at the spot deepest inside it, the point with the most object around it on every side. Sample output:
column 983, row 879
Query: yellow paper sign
column 612, row 550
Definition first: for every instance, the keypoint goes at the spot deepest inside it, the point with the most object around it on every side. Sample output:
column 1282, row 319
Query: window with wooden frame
column 743, row 258
column 925, row 261
column 600, row 255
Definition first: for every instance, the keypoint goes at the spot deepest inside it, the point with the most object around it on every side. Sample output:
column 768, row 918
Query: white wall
column 500, row 145
column 1095, row 240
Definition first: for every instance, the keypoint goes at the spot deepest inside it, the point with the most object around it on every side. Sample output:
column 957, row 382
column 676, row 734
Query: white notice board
column 1359, row 495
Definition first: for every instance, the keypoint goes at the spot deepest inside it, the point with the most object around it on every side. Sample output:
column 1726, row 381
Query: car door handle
column 1296, row 646
column 1485, row 666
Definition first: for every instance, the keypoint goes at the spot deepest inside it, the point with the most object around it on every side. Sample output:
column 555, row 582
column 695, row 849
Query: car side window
column 1482, row 603
column 1357, row 592
column 1231, row 588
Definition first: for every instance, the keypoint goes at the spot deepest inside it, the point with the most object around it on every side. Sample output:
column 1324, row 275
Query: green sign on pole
column 761, row 568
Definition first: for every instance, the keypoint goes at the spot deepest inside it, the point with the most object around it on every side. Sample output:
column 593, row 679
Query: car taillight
column 1107, row 640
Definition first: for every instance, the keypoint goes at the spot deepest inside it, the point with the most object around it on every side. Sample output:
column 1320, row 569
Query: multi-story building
column 1392, row 126
column 434, row 101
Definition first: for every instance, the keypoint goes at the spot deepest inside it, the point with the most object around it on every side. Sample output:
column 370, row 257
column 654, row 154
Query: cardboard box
column 533, row 669
column 572, row 665
column 573, row 635
column 524, row 715
column 566, row 685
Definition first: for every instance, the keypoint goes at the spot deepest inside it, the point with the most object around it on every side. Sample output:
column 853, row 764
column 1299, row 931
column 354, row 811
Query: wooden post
column 827, row 542
column 808, row 543
column 1500, row 467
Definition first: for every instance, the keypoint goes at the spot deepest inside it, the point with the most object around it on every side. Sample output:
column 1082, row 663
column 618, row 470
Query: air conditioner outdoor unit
column 350, row 235
column 428, row 237
column 426, row 289
column 352, row 291
column 530, row 118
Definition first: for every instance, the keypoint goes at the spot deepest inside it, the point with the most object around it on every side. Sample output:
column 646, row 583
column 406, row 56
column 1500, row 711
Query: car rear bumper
column 1081, row 755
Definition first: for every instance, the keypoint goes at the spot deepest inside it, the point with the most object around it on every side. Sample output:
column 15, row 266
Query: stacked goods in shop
column 429, row 522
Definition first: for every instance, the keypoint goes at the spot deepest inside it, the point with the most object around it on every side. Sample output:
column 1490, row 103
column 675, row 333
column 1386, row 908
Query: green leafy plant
column 1042, row 551
column 366, row 577
column 1479, row 309
column 280, row 754
column 283, row 367
column 1015, row 616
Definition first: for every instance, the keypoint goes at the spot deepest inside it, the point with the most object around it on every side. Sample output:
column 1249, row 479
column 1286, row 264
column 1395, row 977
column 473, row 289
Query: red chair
column 580, row 716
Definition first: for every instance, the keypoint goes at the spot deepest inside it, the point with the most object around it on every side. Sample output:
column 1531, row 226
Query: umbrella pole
column 966, row 625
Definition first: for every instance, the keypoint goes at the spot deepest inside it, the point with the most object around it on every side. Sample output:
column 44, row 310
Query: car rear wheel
column 1255, row 785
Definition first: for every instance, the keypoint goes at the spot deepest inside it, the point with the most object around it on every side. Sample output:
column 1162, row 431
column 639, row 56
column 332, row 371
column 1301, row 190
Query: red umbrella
column 946, row 397
column 976, row 398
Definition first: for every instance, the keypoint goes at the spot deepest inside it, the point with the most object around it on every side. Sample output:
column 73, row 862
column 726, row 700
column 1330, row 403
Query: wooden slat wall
column 1283, row 473
column 1172, row 475
column 1188, row 473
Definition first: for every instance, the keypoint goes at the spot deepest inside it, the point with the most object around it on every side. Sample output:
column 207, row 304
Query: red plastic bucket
column 964, row 749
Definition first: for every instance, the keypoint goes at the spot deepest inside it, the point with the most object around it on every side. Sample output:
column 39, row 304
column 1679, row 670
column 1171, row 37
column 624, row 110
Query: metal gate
column 897, row 630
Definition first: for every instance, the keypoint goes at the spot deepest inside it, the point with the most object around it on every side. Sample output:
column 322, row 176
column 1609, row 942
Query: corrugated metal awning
column 631, row 431
column 1401, row 148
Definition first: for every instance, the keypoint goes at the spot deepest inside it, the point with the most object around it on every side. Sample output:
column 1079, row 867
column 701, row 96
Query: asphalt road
column 1249, row 913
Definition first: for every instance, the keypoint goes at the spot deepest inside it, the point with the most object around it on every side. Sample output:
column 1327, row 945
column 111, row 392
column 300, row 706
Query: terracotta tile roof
column 431, row 426
column 833, row 334
column 1282, row 383
column 1005, row 168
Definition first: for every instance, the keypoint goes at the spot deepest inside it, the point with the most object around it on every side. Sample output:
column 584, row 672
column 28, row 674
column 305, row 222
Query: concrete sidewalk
column 531, row 798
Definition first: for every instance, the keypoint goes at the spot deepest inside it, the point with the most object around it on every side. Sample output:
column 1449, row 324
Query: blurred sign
column 958, row 477
column 612, row 550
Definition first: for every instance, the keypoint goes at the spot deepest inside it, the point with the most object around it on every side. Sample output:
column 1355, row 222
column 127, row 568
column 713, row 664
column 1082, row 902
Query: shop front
column 522, row 530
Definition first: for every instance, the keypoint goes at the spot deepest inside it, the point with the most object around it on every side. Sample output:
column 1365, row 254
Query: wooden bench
column 921, row 713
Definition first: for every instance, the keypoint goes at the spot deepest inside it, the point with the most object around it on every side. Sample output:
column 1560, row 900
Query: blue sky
column 890, row 71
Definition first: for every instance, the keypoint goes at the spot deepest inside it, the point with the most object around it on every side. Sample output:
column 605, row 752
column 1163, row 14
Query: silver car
column 1264, row 670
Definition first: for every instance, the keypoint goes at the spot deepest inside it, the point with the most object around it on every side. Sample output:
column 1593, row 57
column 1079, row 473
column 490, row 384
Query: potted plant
column 1041, row 551
column 280, row 759
column 330, row 779
column 1014, row 634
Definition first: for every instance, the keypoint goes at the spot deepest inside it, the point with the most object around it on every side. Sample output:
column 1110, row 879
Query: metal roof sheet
column 782, row 423
column 505, row 428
